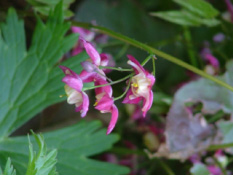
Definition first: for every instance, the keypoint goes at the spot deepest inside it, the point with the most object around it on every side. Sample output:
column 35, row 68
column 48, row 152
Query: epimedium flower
column 96, row 60
column 105, row 102
column 85, row 34
column 141, row 85
column 88, row 35
column 73, row 89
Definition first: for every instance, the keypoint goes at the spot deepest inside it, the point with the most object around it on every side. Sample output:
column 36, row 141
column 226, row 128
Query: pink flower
column 214, row 170
column 208, row 56
column 97, row 60
column 73, row 89
column 105, row 103
column 85, row 34
column 141, row 85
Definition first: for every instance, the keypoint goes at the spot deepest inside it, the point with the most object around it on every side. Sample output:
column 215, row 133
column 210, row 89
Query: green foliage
column 44, row 6
column 41, row 162
column 9, row 170
column 31, row 81
column 73, row 144
column 195, row 13
column 226, row 128
column 185, row 18
column 199, row 169
column 199, row 7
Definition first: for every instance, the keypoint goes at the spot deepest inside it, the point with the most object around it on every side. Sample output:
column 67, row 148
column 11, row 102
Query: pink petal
column 136, row 65
column 131, row 101
column 85, row 105
column 68, row 71
column 88, row 66
column 212, row 60
column 87, row 76
column 77, row 49
column 84, row 33
column 107, row 88
column 104, row 59
column 105, row 104
column 107, row 60
column 152, row 80
column 147, row 103
column 113, row 119
column 92, row 52
column 75, row 83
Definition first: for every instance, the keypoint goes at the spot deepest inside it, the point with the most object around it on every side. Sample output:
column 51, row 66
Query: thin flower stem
column 122, row 95
column 153, row 63
column 152, row 50
column 114, row 82
column 147, row 59
column 115, row 68
column 220, row 146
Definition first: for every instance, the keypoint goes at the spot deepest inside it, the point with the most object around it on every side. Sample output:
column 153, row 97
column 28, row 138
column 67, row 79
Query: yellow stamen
column 63, row 95
column 135, row 85
column 95, row 103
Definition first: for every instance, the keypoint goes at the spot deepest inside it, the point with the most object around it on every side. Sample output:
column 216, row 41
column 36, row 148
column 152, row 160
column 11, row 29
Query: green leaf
column 226, row 128
column 30, row 80
column 9, row 170
column 199, row 7
column 74, row 145
column 185, row 18
column 44, row 6
column 178, row 17
column 199, row 169
column 43, row 162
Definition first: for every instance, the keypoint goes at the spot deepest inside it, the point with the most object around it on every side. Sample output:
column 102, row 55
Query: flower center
column 98, row 98
column 140, row 85
column 74, row 97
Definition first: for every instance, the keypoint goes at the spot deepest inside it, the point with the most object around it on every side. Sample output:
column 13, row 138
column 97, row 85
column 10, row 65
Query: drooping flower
column 88, row 35
column 141, row 85
column 105, row 103
column 73, row 89
column 84, row 34
column 97, row 60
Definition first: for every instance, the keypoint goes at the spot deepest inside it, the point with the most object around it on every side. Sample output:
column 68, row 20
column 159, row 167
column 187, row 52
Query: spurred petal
column 136, row 65
column 92, row 52
column 75, row 83
column 147, row 103
column 113, row 119
column 85, row 105
column 104, row 104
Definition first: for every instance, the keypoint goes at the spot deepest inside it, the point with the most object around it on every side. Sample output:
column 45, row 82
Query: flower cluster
column 139, row 85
